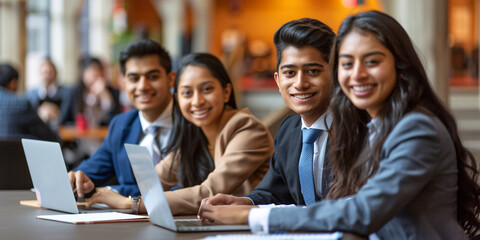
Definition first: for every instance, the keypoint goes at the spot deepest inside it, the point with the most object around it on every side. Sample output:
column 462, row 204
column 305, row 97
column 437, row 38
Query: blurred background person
column 92, row 98
column 17, row 117
column 49, row 99
column 91, row 103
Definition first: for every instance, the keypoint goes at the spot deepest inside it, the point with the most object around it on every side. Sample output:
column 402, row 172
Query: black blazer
column 281, row 184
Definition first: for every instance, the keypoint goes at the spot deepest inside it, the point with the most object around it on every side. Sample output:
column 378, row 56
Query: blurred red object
column 80, row 123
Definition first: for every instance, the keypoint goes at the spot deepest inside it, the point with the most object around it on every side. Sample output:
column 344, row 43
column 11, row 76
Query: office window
column 38, row 38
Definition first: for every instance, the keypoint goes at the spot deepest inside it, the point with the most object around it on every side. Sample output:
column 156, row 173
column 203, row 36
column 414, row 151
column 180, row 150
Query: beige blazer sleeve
column 242, row 151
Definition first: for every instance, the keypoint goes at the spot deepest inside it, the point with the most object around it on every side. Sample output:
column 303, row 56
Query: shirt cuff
column 258, row 220
column 271, row 205
column 113, row 189
column 250, row 200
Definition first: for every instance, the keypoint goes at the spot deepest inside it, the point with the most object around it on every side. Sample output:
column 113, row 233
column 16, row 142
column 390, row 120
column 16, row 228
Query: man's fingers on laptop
column 88, row 186
column 207, row 221
column 200, row 209
column 79, row 183
column 71, row 177
column 204, row 201
column 234, row 214
column 218, row 199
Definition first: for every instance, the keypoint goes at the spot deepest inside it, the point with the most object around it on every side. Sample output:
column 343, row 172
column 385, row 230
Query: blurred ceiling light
column 352, row 3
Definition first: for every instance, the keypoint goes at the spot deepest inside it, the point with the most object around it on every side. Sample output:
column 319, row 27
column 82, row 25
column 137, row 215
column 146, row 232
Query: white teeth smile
column 199, row 112
column 362, row 88
column 303, row 96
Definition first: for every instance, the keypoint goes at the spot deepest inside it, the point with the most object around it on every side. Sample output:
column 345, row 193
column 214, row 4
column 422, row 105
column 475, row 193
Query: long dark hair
column 189, row 144
column 412, row 92
column 85, row 62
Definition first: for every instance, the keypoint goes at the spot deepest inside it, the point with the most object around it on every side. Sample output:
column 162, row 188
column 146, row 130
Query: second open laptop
column 50, row 179
column 155, row 200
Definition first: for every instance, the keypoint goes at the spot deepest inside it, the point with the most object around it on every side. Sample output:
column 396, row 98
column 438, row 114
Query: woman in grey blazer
column 400, row 169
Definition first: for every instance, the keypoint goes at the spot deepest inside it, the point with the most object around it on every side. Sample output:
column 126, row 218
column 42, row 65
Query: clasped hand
column 225, row 209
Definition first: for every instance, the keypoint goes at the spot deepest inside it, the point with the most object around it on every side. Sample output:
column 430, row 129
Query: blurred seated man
column 17, row 117
column 49, row 99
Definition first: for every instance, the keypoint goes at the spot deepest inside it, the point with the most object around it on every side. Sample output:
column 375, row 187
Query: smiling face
column 48, row 73
column 303, row 80
column 366, row 71
column 148, row 85
column 201, row 97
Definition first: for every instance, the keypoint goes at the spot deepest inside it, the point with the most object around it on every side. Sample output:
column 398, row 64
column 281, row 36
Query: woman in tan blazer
column 215, row 148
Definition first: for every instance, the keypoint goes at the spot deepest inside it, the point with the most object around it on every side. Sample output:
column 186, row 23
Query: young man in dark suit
column 148, row 79
column 303, row 79
column 18, row 119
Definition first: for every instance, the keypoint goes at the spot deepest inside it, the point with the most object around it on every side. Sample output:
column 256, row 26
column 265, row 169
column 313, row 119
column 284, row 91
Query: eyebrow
column 303, row 65
column 147, row 73
column 365, row 55
column 201, row 84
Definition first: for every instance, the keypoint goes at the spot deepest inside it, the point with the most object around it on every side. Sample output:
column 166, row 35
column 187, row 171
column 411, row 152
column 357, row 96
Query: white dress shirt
column 164, row 121
column 47, row 92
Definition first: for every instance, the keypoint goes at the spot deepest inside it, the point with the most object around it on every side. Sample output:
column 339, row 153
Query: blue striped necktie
column 305, row 165
column 154, row 131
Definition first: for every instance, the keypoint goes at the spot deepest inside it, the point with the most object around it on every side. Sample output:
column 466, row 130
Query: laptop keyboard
column 188, row 223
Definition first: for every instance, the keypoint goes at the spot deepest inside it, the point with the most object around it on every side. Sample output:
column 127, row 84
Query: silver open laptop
column 155, row 200
column 50, row 179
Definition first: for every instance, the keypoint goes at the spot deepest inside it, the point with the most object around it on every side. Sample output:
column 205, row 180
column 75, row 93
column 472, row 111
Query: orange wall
column 259, row 19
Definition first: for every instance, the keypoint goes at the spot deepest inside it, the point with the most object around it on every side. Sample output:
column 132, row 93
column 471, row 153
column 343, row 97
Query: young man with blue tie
column 146, row 67
column 298, row 171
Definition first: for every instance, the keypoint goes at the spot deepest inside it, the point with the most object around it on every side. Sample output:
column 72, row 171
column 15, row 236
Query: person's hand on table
column 224, row 199
column 109, row 197
column 224, row 214
column 81, row 183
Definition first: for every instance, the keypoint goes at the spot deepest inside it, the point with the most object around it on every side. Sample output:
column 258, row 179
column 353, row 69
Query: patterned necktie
column 305, row 165
column 154, row 132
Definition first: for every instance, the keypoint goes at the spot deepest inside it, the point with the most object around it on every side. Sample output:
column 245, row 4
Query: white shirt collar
column 320, row 122
column 373, row 127
column 51, row 91
column 164, row 120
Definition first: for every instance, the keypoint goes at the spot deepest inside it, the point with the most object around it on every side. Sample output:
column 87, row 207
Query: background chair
column 14, row 174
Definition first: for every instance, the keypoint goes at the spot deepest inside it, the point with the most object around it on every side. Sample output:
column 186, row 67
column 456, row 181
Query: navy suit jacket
column 281, row 184
column 111, row 159
column 18, row 119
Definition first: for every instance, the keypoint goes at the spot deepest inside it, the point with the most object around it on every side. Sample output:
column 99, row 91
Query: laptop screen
column 49, row 175
column 150, row 186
